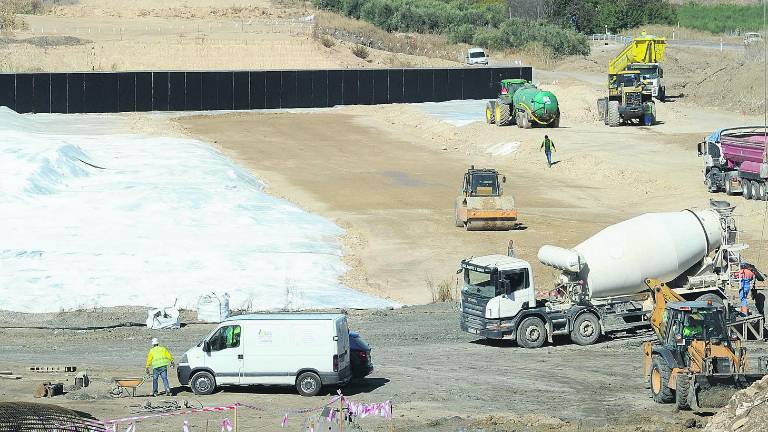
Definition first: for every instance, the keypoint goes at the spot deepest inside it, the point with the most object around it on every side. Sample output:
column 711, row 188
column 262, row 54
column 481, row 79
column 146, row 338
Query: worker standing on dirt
column 746, row 276
column 158, row 360
column 548, row 146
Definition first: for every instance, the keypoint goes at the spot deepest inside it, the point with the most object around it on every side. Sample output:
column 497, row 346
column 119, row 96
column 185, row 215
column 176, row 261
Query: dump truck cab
column 651, row 74
column 481, row 203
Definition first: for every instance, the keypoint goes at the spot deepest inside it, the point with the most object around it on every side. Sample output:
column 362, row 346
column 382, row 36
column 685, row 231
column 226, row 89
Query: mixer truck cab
column 498, row 301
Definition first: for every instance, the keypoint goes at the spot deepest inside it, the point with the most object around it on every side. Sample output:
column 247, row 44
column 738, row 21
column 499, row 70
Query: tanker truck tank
column 537, row 106
column 617, row 260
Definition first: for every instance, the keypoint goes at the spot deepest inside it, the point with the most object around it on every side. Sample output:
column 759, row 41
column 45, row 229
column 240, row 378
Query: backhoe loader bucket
column 713, row 391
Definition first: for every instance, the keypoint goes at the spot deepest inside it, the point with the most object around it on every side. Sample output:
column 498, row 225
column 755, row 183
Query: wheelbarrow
column 126, row 386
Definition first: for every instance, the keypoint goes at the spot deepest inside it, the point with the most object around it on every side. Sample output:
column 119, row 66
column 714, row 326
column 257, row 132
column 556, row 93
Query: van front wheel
column 203, row 383
column 308, row 384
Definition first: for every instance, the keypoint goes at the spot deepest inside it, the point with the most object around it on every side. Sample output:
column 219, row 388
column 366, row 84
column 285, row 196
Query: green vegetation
column 593, row 16
column 721, row 18
column 480, row 23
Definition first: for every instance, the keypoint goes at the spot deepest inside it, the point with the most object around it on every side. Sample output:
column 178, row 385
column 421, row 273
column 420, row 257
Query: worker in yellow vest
column 158, row 360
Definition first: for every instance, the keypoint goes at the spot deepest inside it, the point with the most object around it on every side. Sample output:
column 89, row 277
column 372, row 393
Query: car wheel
column 308, row 384
column 203, row 383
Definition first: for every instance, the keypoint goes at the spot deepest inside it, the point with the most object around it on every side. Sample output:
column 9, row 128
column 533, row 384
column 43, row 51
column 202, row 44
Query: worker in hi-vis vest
column 158, row 360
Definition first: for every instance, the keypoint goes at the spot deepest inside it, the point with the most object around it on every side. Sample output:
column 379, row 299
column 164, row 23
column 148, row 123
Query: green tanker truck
column 525, row 103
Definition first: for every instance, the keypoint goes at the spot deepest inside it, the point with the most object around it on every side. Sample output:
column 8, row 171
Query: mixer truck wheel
column 531, row 333
column 586, row 329
column 683, row 392
column 746, row 188
column 614, row 118
column 755, row 190
column 660, row 372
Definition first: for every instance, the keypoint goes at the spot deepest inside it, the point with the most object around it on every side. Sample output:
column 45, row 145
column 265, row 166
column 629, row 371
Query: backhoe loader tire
column 660, row 372
column 504, row 115
column 586, row 329
column 490, row 112
column 531, row 333
column 682, row 394
column 614, row 118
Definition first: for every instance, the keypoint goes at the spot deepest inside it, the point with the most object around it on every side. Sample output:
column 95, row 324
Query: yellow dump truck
column 634, row 79
column 481, row 203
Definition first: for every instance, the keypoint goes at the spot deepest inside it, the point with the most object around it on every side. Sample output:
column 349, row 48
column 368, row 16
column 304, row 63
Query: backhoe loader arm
column 662, row 294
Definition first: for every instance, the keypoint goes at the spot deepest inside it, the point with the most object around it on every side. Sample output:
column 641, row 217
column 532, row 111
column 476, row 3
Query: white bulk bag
column 213, row 308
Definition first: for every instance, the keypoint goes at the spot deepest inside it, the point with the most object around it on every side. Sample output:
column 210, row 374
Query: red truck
column 735, row 160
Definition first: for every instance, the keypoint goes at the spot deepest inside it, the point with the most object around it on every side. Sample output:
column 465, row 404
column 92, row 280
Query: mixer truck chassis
column 535, row 326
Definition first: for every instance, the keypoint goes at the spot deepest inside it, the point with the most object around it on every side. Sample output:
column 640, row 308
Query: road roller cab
column 482, row 204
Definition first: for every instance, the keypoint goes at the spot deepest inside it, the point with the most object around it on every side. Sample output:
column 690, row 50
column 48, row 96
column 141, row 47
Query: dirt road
column 389, row 175
column 438, row 378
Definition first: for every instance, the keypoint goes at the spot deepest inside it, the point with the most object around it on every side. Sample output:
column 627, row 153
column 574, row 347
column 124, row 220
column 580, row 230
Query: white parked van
column 476, row 56
column 308, row 350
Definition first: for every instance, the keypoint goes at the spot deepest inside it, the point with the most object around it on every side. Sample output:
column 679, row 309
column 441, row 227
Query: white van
column 308, row 350
column 476, row 56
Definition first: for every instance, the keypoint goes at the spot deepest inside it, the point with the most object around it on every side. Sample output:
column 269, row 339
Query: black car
column 362, row 365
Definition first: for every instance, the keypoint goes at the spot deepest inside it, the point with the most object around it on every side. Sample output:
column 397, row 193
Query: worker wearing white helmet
column 158, row 360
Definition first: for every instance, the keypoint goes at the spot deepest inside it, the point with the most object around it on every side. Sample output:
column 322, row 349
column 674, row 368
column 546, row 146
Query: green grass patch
column 722, row 18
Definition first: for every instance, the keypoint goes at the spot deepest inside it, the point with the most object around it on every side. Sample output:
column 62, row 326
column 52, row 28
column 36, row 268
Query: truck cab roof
column 497, row 261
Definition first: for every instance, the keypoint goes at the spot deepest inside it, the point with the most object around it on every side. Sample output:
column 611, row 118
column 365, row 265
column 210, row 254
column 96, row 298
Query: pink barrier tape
column 180, row 413
column 383, row 409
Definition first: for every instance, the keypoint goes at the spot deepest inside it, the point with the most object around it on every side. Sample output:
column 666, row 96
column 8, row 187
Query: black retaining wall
column 100, row 92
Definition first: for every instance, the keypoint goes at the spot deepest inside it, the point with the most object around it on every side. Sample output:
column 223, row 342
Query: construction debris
column 747, row 411
column 53, row 369
column 48, row 389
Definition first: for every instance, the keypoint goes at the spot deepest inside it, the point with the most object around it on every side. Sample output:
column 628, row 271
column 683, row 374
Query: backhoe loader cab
column 694, row 362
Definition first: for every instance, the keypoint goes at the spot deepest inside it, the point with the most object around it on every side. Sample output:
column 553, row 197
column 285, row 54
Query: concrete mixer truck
column 602, row 287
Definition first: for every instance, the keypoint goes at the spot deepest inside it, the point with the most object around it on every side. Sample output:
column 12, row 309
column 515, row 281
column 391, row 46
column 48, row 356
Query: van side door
column 225, row 355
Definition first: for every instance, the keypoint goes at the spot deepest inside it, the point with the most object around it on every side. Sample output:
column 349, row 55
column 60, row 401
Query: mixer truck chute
column 601, row 288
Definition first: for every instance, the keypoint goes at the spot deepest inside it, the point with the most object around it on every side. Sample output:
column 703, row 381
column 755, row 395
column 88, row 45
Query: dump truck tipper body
column 735, row 160
column 601, row 287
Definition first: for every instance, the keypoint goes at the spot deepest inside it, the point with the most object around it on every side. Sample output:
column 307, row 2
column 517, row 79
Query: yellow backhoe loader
column 693, row 362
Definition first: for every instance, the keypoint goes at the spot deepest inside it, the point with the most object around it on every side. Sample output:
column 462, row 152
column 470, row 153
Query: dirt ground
column 389, row 175
column 438, row 378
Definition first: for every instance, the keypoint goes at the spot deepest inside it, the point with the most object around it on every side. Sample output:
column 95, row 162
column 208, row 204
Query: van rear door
column 342, row 342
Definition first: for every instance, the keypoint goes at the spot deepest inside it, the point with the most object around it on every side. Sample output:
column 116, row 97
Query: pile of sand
column 747, row 411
